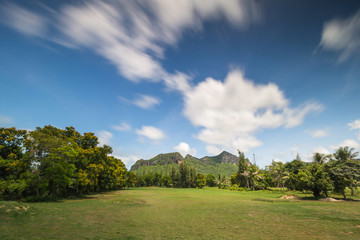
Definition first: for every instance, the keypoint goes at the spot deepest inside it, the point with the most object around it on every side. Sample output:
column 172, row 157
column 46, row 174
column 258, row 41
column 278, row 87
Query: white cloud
column 5, row 120
column 124, row 127
column 230, row 112
column 128, row 160
column 211, row 149
column 294, row 151
column 105, row 137
column 132, row 35
column 321, row 150
column 342, row 35
column 318, row 133
column 142, row 101
column 280, row 157
column 178, row 81
column 151, row 133
column 23, row 21
column 146, row 101
column 355, row 125
column 184, row 149
column 351, row 143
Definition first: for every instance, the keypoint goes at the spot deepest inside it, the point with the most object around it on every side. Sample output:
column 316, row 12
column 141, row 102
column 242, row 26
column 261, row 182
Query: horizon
column 269, row 79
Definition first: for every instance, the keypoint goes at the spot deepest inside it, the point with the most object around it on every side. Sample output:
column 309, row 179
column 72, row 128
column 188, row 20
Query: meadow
column 168, row 213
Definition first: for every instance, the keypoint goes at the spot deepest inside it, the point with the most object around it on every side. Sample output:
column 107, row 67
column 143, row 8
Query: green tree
column 315, row 179
column 130, row 179
column 344, row 170
column 210, row 180
column 200, row 181
column 278, row 173
column 242, row 176
column 319, row 158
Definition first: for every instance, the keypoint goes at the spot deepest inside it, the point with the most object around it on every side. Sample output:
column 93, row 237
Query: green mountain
column 224, row 164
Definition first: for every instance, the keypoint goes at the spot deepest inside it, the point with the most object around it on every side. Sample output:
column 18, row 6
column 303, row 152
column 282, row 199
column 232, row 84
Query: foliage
column 315, row 179
column 52, row 163
column 200, row 181
column 210, row 180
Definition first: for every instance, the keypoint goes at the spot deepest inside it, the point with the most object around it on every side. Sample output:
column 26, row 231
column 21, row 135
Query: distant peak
column 225, row 153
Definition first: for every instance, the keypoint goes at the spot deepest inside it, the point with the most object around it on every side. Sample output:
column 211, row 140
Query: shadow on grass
column 73, row 197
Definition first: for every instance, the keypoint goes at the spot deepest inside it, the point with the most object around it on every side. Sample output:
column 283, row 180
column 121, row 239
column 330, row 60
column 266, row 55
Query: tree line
column 50, row 163
column 184, row 176
column 333, row 172
column 53, row 163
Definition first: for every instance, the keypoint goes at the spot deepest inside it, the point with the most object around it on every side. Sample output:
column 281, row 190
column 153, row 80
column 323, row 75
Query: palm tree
column 345, row 153
column 319, row 158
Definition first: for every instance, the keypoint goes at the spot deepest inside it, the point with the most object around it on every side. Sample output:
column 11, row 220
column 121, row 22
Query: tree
column 319, row 158
column 210, row 180
column 344, row 154
column 315, row 179
column 278, row 173
column 130, row 179
column 344, row 170
column 200, row 181
column 242, row 176
column 55, row 162
column 167, row 181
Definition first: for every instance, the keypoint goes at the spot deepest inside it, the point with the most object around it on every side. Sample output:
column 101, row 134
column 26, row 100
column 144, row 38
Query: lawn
column 161, row 213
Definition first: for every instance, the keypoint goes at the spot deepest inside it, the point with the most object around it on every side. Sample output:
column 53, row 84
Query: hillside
column 224, row 164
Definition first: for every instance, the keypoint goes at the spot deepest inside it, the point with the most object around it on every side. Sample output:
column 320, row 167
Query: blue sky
column 271, row 78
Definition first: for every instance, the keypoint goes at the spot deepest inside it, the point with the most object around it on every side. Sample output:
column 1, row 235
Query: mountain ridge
column 224, row 163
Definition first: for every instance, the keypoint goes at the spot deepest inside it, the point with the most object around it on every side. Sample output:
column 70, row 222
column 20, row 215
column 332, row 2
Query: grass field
column 160, row 213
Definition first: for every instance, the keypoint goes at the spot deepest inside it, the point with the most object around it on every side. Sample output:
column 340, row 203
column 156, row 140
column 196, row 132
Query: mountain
column 224, row 164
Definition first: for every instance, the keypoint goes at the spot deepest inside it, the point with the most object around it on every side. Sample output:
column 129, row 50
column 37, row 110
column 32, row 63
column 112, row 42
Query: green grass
column 160, row 213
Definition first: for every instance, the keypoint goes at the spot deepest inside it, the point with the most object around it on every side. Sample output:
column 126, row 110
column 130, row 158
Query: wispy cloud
column 318, row 133
column 6, row 120
column 23, row 20
column 123, row 127
column 146, row 101
column 105, row 137
column 355, row 125
column 342, row 35
column 143, row 101
column 132, row 35
column 151, row 133
column 351, row 143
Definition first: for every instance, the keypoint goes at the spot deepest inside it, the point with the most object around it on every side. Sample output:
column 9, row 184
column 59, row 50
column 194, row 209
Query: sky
column 270, row 78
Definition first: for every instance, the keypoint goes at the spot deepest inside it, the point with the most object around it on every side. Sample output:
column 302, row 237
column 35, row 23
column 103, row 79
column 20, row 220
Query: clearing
column 166, row 213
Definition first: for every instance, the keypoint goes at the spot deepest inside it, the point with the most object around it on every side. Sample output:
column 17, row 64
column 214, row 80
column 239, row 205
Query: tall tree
column 344, row 169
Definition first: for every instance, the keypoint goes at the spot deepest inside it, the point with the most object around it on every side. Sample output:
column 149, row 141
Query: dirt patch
column 329, row 199
column 290, row 196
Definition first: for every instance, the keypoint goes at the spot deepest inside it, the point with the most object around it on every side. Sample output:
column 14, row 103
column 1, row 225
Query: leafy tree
column 200, row 181
column 130, row 179
column 54, row 162
column 278, row 173
column 210, row 180
column 242, row 176
column 344, row 169
column 315, row 179
column 167, row 181
column 11, row 142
